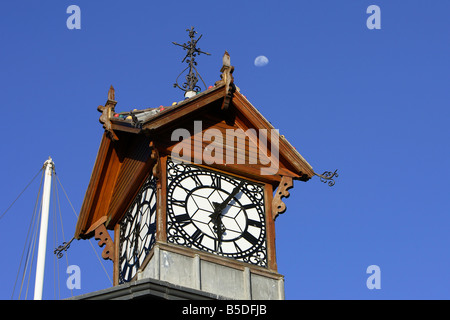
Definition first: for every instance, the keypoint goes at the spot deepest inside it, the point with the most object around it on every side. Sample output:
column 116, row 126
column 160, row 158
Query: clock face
column 137, row 231
column 216, row 212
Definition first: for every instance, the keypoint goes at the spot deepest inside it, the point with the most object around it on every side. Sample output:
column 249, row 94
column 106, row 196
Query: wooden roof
column 125, row 156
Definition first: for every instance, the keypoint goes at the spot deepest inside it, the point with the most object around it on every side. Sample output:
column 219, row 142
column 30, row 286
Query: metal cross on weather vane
column 190, row 86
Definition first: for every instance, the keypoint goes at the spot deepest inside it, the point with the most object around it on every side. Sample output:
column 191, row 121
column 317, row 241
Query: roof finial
column 111, row 94
column 107, row 112
column 227, row 78
column 190, row 86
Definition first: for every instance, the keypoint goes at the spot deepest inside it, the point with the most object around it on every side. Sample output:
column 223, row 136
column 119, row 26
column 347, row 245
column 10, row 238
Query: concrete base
column 212, row 274
column 147, row 289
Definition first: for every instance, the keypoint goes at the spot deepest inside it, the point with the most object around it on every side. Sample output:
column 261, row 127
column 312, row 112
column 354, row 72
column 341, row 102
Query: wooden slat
column 136, row 165
column 117, row 253
column 270, row 223
column 105, row 163
column 161, row 218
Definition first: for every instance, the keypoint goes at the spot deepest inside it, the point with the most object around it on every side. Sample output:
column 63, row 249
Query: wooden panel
column 117, row 252
column 238, row 149
column 271, row 249
column 135, row 167
column 100, row 187
column 161, row 217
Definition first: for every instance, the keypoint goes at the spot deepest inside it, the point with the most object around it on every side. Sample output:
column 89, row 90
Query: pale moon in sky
column 261, row 61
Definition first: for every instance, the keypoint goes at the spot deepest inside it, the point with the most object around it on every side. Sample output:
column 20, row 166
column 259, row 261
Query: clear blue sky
column 373, row 104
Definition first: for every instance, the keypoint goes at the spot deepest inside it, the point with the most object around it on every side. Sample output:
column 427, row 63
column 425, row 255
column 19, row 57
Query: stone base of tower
column 209, row 273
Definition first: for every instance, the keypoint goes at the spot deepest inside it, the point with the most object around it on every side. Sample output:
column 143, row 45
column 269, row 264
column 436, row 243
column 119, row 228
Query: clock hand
column 219, row 232
column 218, row 208
column 232, row 194
column 136, row 239
column 216, row 217
column 217, row 211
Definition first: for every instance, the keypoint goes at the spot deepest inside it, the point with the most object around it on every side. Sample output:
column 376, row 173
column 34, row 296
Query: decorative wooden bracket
column 105, row 240
column 156, row 170
column 107, row 111
column 227, row 79
column 278, row 206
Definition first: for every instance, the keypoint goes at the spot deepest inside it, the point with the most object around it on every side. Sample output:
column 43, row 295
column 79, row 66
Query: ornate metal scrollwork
column 193, row 75
column 59, row 251
column 328, row 176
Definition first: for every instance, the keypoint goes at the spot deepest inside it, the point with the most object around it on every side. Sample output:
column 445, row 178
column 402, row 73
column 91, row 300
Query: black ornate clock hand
column 136, row 239
column 216, row 217
column 219, row 230
column 218, row 208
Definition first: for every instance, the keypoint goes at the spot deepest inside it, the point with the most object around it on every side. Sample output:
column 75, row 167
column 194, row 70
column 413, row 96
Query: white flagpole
column 39, row 282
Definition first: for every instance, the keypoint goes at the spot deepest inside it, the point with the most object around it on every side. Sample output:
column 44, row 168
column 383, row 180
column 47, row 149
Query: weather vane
column 190, row 86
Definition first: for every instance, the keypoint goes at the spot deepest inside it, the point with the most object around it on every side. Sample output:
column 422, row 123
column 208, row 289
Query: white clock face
column 217, row 213
column 137, row 231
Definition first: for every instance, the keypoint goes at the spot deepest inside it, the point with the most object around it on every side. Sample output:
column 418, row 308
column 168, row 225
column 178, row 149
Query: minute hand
column 218, row 208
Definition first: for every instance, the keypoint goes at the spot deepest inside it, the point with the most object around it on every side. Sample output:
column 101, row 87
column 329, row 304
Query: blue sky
column 373, row 104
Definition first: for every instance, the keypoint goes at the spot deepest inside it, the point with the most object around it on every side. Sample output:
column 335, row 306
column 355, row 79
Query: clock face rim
column 130, row 259
column 256, row 252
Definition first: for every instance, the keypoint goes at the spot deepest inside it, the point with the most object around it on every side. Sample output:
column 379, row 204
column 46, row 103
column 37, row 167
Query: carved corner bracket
column 107, row 112
column 105, row 240
column 156, row 170
column 278, row 206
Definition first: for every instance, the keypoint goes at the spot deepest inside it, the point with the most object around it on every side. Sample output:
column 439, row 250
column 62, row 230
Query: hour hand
column 216, row 218
column 219, row 207
column 220, row 229
column 217, row 211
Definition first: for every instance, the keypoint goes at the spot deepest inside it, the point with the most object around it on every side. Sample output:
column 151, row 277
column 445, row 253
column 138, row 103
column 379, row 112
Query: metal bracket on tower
column 328, row 176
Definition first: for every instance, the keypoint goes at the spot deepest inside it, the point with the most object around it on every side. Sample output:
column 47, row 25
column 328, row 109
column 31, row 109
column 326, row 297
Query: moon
column 261, row 61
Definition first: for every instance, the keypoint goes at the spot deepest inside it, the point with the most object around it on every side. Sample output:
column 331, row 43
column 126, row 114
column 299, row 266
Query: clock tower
column 184, row 197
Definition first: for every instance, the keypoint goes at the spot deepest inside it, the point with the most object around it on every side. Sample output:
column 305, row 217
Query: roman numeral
column 152, row 228
column 180, row 186
column 183, row 219
column 197, row 181
column 249, row 206
column 218, row 247
column 216, row 182
column 238, row 249
column 180, row 203
column 197, row 236
column 250, row 238
column 254, row 223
